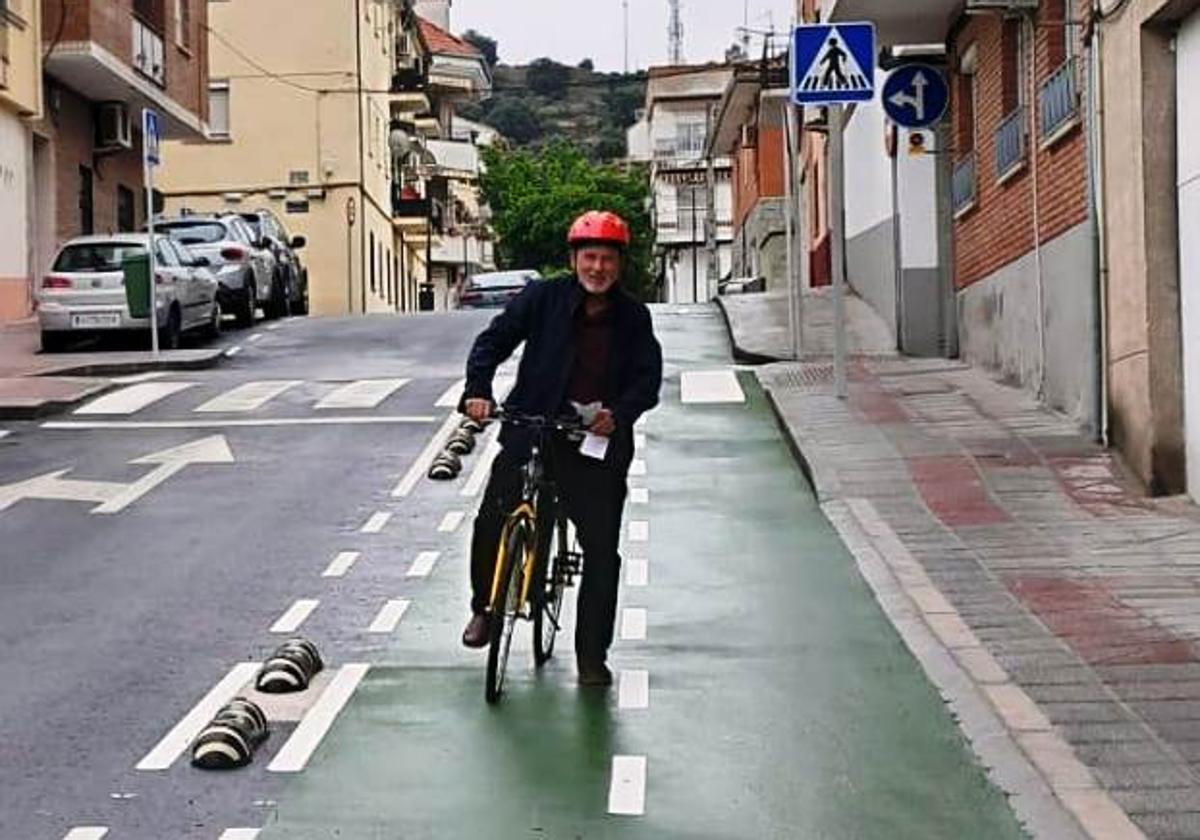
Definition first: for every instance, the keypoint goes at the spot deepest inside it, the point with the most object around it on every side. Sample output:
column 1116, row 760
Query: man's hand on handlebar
column 479, row 410
column 604, row 424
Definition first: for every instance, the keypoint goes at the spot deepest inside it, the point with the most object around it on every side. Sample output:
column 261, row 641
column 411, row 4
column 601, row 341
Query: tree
column 534, row 196
column 548, row 78
column 515, row 120
column 588, row 65
column 486, row 45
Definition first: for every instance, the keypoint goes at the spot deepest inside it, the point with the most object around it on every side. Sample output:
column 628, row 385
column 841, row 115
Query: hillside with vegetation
column 545, row 101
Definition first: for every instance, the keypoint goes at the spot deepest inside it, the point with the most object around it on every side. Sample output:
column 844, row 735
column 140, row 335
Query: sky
column 571, row 30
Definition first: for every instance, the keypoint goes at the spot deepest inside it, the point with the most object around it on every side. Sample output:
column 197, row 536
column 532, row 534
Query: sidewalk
column 1069, row 601
column 33, row 384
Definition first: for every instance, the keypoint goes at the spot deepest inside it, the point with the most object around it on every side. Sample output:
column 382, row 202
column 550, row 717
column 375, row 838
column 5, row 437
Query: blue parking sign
column 833, row 63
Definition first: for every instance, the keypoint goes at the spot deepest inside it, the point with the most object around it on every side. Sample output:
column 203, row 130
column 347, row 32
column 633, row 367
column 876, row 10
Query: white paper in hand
column 594, row 446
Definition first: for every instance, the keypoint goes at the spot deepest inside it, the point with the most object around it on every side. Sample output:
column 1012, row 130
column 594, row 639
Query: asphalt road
column 765, row 694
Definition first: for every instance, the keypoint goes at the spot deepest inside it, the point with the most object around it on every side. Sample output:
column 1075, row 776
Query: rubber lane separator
column 341, row 564
column 295, row 753
column 376, row 523
column 633, row 624
column 296, row 615
column 634, row 691
column 451, row 521
column 627, row 791
column 87, row 832
column 420, row 466
column 177, row 740
column 423, row 565
column 389, row 616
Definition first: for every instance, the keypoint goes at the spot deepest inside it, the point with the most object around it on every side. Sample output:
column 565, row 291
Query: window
column 372, row 249
column 183, row 23
column 87, row 217
column 690, row 137
column 1014, row 51
column 218, row 107
column 691, row 202
column 125, row 209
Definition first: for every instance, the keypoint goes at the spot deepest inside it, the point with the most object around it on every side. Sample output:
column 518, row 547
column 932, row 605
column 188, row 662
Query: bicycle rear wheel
column 506, row 609
column 550, row 588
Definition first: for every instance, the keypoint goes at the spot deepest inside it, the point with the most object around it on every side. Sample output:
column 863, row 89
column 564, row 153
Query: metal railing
column 1010, row 143
column 1058, row 99
column 963, row 184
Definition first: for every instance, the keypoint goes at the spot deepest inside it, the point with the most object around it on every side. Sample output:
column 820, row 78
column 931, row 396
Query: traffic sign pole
column 150, row 159
column 837, row 212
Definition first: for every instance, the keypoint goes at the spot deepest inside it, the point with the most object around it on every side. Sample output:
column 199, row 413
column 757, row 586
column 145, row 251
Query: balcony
column 1058, row 102
column 408, row 208
column 1010, row 145
column 962, row 186
column 147, row 53
column 899, row 21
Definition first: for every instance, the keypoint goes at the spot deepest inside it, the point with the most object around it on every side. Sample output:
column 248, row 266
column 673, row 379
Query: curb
column 741, row 354
column 133, row 367
column 47, row 408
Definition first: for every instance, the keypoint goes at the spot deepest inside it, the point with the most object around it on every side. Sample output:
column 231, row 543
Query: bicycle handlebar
column 568, row 425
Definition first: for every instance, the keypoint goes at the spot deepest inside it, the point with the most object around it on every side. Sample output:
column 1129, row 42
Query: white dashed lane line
column 87, row 832
column 295, row 753
column 483, row 466
column 3, row 434
column 233, row 351
column 296, row 615
column 389, row 616
column 638, row 467
column 633, row 624
column 639, row 530
column 177, row 740
column 634, row 690
column 240, row 833
column 710, row 387
column 256, row 337
column 376, row 523
column 451, row 521
column 637, row 572
column 423, row 565
column 341, row 564
column 627, row 790
column 639, row 495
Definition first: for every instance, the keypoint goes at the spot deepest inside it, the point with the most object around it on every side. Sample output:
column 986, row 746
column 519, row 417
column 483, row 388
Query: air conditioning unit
column 113, row 127
column 1002, row 5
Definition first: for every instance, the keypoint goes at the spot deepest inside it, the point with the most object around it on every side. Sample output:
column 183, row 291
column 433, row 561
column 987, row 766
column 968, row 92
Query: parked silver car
column 243, row 270
column 494, row 289
column 84, row 291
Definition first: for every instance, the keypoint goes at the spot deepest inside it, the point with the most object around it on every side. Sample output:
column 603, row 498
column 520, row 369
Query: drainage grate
column 803, row 377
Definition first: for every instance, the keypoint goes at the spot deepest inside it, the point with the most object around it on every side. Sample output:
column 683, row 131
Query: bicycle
column 530, row 581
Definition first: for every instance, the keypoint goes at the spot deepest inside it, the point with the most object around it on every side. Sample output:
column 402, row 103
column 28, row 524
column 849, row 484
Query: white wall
column 15, row 172
column 917, row 188
column 868, row 170
column 1187, row 53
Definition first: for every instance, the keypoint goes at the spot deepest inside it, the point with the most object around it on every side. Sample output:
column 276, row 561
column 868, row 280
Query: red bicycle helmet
column 601, row 227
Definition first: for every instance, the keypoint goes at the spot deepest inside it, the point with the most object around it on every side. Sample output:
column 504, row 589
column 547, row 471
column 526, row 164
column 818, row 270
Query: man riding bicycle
column 588, row 344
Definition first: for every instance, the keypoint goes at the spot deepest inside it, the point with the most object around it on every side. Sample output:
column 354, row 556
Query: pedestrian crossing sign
column 832, row 64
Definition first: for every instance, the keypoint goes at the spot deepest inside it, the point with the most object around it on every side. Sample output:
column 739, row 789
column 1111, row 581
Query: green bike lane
column 781, row 702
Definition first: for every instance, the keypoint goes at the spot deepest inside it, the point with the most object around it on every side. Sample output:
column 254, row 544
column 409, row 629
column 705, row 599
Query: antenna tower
column 675, row 33
column 625, row 4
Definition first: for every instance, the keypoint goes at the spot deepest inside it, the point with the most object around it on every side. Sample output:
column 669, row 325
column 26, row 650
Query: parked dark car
column 494, row 289
column 291, row 295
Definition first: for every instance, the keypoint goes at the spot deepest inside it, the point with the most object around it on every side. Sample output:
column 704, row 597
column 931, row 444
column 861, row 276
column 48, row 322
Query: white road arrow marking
column 112, row 496
column 915, row 101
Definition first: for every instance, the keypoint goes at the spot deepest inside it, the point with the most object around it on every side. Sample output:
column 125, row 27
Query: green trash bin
column 137, row 284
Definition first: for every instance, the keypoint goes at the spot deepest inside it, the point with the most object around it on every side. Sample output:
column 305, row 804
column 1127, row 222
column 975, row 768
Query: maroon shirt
column 593, row 345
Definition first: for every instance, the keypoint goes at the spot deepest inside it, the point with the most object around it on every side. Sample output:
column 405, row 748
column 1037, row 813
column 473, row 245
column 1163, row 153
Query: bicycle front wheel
column 506, row 609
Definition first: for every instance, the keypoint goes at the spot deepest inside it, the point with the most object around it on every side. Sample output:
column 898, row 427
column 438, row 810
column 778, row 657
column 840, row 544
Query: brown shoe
column 476, row 634
column 594, row 673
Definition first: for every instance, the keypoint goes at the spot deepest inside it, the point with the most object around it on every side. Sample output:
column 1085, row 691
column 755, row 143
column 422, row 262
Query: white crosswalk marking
column 134, row 398
column 295, row 753
column 365, row 393
column 711, row 386
column 87, row 832
column 341, row 564
column 389, row 616
column 627, row 791
column 423, row 565
column 247, row 397
column 451, row 521
column 376, row 523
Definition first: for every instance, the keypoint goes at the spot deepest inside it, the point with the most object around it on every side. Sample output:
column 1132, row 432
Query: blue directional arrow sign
column 916, row 96
column 833, row 63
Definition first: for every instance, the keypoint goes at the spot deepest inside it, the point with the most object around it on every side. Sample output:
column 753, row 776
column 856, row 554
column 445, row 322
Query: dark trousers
column 594, row 495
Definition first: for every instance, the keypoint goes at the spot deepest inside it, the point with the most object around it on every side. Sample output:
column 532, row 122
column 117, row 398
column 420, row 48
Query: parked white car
column 84, row 291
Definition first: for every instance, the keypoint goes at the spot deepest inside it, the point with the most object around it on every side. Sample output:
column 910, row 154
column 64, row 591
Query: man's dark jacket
column 544, row 317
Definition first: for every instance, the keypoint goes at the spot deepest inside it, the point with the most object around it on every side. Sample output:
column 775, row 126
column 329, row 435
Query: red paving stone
column 1088, row 617
column 954, row 491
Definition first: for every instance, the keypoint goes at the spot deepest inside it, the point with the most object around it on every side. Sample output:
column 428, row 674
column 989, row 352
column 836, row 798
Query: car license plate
column 96, row 319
